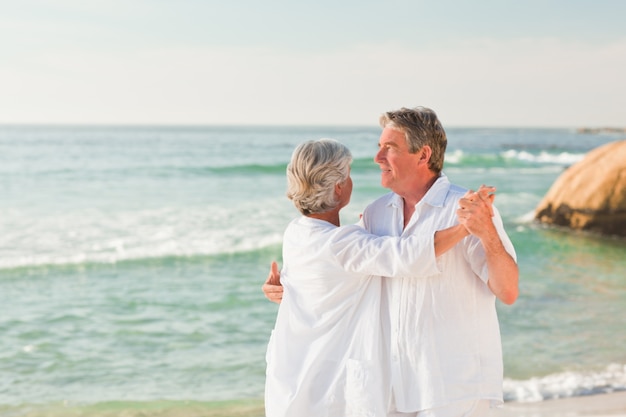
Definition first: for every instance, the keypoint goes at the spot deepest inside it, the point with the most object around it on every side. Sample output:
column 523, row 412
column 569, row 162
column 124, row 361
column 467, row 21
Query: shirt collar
column 435, row 196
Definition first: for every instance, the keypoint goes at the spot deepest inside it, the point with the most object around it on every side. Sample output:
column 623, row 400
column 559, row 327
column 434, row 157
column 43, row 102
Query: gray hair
column 316, row 167
column 421, row 127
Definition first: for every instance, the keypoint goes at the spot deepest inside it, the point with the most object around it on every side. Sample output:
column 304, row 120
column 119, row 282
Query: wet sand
column 602, row 405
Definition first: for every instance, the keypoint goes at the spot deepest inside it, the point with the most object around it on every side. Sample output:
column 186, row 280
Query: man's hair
column 421, row 127
column 316, row 167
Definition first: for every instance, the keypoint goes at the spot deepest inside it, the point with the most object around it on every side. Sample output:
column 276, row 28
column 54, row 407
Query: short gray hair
column 421, row 127
column 316, row 167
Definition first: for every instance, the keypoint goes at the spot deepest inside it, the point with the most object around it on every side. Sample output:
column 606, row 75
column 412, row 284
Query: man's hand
column 272, row 288
column 476, row 210
column 475, row 213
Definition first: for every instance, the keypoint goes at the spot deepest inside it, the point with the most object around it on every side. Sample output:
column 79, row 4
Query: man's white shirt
column 443, row 332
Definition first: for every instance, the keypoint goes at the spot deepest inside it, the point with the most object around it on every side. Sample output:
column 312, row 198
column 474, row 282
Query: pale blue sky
column 477, row 63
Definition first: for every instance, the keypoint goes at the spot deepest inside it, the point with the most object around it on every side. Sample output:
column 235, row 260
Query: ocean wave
column 526, row 218
column 252, row 167
column 543, row 157
column 508, row 158
column 243, row 169
column 358, row 164
column 566, row 384
column 114, row 251
column 512, row 157
column 98, row 236
column 277, row 168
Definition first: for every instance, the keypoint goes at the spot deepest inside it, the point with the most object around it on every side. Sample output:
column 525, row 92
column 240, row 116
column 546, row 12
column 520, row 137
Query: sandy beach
column 602, row 405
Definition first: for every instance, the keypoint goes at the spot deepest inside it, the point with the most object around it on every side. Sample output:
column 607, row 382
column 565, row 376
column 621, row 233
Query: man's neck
column 414, row 196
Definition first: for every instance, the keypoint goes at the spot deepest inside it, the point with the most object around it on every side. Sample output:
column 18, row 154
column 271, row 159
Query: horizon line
column 583, row 128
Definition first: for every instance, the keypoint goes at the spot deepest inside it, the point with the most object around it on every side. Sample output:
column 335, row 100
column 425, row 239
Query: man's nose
column 379, row 156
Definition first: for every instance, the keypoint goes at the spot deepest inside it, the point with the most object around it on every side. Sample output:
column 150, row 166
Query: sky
column 509, row 63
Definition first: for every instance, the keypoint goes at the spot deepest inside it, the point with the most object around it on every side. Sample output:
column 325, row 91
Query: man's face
column 398, row 166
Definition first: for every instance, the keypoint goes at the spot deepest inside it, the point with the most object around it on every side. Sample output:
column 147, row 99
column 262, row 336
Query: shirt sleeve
column 363, row 253
column 476, row 253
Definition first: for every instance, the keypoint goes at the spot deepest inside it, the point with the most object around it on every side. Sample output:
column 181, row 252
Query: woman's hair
column 316, row 167
column 421, row 127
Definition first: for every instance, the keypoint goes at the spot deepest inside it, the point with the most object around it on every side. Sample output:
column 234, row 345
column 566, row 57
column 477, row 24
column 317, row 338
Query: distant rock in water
column 591, row 194
column 596, row 130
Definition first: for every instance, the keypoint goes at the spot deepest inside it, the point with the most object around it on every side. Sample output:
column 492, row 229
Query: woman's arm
column 446, row 239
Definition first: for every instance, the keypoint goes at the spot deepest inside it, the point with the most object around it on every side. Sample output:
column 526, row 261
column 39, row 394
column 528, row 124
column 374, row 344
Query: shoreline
column 598, row 405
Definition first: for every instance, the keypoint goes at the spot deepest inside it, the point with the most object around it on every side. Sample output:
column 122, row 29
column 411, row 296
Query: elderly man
column 442, row 332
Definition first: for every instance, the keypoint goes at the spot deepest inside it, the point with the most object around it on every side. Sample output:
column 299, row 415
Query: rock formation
column 596, row 130
column 591, row 194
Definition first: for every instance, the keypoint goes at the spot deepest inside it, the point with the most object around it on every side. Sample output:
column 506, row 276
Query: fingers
column 272, row 288
column 274, row 293
column 473, row 202
column 489, row 188
column 274, row 276
column 485, row 191
column 487, row 194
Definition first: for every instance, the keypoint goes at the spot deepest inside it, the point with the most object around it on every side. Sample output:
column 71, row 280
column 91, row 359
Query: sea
column 132, row 260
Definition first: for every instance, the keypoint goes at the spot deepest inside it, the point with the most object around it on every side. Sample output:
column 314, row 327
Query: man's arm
column 272, row 288
column 446, row 239
column 475, row 214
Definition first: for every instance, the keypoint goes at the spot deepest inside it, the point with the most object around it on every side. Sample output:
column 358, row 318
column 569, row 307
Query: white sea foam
column 102, row 237
column 561, row 158
column 566, row 384
column 457, row 156
column 454, row 157
column 529, row 217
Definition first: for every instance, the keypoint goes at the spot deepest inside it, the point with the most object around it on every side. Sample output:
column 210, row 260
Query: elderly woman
column 326, row 354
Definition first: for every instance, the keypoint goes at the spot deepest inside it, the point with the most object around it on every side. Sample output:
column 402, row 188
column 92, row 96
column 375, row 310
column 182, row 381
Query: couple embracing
column 394, row 316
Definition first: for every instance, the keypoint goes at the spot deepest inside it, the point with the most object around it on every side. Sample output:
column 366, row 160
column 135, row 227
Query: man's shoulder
column 456, row 191
column 382, row 201
column 444, row 193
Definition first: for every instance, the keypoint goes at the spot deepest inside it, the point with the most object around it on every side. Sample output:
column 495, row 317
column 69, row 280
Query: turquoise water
column 131, row 261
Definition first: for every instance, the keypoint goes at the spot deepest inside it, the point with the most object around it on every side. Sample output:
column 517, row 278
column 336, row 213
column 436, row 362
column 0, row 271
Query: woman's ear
column 338, row 190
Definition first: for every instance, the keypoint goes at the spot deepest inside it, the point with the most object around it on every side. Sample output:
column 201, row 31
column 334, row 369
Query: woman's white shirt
column 327, row 356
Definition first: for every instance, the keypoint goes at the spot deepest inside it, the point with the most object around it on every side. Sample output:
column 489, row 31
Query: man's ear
column 425, row 154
